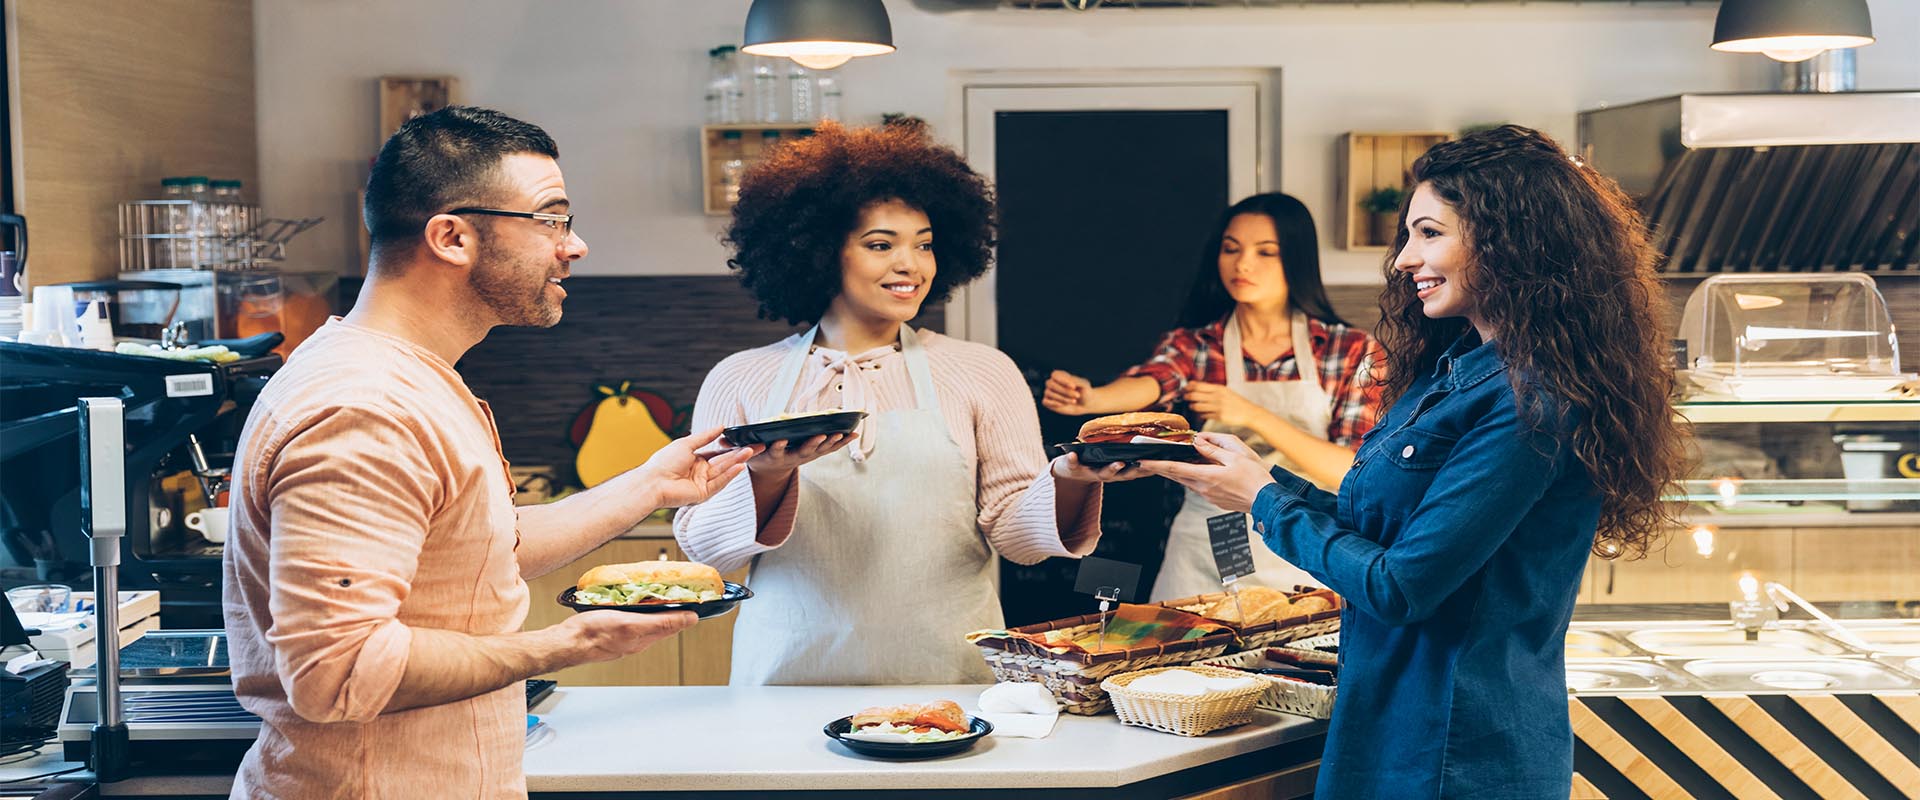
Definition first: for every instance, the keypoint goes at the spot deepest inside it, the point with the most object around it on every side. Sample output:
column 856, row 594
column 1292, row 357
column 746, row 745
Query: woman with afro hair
column 872, row 553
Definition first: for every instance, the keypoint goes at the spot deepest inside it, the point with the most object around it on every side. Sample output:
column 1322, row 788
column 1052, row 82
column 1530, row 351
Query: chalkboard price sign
column 1232, row 548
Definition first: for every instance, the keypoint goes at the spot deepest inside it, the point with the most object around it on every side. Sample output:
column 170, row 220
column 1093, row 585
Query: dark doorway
column 1102, row 220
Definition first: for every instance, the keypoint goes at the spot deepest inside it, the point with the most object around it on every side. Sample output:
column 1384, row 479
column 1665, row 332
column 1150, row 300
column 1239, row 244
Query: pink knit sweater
column 986, row 405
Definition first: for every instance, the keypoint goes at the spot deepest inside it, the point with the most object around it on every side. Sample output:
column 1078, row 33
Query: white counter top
column 769, row 739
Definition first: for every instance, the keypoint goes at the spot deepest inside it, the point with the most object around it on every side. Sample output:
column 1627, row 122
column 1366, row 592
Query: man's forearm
column 553, row 535
column 445, row 667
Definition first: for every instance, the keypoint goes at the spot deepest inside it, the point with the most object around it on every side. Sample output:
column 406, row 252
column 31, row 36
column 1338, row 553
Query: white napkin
column 1183, row 682
column 1020, row 710
column 26, row 661
column 1150, row 440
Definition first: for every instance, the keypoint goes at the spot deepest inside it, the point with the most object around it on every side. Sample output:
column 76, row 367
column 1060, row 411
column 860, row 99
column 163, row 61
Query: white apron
column 886, row 571
column 1189, row 569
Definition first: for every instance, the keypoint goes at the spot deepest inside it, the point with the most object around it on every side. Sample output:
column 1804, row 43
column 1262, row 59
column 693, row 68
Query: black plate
column 1103, row 453
column 789, row 429
column 712, row 608
column 837, row 730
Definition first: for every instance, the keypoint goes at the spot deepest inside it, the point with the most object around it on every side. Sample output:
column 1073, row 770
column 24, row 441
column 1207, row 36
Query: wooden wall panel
column 1834, row 564
column 115, row 96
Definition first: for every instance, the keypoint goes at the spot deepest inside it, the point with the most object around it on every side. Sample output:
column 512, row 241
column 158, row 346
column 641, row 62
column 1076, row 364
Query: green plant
column 1383, row 200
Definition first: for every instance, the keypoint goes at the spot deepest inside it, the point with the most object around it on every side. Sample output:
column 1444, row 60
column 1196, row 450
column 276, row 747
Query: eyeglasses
column 559, row 223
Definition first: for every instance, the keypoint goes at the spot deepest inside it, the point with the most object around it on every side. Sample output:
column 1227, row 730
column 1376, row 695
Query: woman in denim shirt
column 1528, row 425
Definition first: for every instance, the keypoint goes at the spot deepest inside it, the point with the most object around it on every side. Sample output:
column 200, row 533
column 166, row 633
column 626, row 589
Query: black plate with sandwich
column 939, row 724
column 794, row 428
column 652, row 587
column 1110, row 440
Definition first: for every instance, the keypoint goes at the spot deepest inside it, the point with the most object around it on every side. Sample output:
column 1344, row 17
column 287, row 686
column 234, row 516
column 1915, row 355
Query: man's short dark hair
column 439, row 161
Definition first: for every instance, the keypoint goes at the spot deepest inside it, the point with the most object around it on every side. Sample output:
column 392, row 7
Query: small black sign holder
column 1109, row 582
column 1232, row 554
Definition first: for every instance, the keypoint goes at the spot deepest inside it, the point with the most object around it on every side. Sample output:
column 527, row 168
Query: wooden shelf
column 746, row 143
column 1706, row 409
column 1369, row 160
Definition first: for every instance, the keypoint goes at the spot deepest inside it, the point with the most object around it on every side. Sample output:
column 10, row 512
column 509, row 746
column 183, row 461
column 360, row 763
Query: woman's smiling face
column 1436, row 257
column 887, row 263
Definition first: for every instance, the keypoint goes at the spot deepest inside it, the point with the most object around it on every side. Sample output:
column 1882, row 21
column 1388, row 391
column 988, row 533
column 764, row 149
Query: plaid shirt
column 1350, row 361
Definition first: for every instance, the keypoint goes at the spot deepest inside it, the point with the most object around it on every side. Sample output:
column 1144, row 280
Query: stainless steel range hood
column 1770, row 182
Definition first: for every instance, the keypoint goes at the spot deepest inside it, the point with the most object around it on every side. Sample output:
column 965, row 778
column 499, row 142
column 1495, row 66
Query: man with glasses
column 375, row 575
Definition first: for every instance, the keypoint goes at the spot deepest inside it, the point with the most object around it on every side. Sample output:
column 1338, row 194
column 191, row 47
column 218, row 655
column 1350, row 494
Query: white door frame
column 1250, row 97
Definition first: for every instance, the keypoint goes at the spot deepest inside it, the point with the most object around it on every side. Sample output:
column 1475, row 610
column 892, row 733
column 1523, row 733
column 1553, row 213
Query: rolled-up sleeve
column 1174, row 364
column 351, row 495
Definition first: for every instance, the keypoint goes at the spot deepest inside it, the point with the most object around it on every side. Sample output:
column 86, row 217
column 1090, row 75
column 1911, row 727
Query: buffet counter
column 722, row 742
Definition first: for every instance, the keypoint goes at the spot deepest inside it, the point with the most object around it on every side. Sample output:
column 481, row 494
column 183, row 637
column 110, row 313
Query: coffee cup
column 210, row 523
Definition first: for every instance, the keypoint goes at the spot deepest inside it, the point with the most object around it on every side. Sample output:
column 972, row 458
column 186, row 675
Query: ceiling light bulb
column 822, row 60
column 1749, row 586
column 1790, row 56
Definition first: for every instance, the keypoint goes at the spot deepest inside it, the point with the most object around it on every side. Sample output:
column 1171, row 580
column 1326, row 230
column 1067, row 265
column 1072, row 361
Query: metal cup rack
column 196, row 234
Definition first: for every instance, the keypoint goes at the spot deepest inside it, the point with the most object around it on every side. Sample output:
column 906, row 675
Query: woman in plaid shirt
column 1257, row 292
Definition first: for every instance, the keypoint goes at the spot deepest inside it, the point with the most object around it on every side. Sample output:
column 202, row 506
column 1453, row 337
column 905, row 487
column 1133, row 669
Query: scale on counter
column 176, row 693
column 165, row 701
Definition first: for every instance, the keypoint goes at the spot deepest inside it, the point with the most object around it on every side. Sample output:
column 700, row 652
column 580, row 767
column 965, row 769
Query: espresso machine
column 182, row 421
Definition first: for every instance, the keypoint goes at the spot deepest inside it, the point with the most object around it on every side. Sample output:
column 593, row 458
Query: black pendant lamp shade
column 821, row 34
column 1791, row 30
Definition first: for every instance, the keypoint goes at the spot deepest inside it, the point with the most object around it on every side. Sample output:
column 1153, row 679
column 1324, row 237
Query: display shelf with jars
column 726, row 151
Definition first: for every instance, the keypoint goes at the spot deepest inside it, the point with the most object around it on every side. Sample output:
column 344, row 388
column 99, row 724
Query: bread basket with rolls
column 1187, row 714
column 1271, row 617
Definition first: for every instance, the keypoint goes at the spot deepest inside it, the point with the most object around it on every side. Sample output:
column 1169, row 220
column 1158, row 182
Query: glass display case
column 1790, row 337
column 1805, row 465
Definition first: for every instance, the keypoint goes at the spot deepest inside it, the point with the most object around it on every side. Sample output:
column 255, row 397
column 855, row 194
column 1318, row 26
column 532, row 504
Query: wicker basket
column 1276, row 632
column 1186, row 715
column 1075, row 678
column 1307, row 651
column 1288, row 696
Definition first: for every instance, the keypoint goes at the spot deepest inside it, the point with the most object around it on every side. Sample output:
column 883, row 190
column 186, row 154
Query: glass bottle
column 829, row 87
column 766, row 91
column 178, row 222
column 800, row 92
column 723, row 86
column 200, row 191
column 732, row 166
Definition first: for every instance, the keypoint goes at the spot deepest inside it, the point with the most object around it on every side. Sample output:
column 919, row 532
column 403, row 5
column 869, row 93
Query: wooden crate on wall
column 404, row 97
column 1369, row 161
column 720, row 144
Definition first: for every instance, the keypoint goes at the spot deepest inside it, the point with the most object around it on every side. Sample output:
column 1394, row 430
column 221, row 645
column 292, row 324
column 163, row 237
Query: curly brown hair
column 799, row 204
column 1562, row 271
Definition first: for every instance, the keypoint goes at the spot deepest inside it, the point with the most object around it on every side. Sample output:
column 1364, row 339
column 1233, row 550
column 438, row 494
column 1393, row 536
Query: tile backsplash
column 661, row 334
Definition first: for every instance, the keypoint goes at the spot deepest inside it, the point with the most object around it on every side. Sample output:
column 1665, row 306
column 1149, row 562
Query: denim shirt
column 1458, row 541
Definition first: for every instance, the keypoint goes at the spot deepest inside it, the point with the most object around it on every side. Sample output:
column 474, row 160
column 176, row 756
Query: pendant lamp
column 1791, row 30
column 819, row 34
